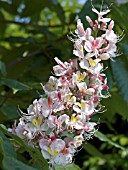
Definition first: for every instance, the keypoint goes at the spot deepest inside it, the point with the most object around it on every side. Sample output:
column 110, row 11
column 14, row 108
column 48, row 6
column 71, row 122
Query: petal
column 84, row 64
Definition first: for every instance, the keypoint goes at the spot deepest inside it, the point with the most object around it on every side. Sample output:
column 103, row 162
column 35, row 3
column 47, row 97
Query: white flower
column 78, row 77
column 62, row 159
column 43, row 107
column 83, row 107
column 77, row 141
column 100, row 15
column 51, row 85
column 91, row 65
column 89, row 126
column 92, row 44
column 82, row 86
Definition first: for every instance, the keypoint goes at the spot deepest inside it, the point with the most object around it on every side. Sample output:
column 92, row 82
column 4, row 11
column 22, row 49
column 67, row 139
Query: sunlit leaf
column 67, row 167
column 104, row 138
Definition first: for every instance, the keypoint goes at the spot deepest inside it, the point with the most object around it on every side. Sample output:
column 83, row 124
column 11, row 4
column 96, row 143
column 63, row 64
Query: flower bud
column 104, row 56
column 89, row 21
column 111, row 25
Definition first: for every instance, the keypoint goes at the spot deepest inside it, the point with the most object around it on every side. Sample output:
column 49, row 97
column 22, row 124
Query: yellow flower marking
column 49, row 151
column 79, row 138
column 54, row 153
column 78, row 104
column 52, row 85
column 81, row 48
column 92, row 62
column 37, row 122
column 80, row 77
column 70, row 98
column 74, row 118
column 81, row 105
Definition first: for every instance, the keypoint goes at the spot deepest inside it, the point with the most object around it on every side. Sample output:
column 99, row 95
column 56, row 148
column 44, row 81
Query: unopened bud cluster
column 59, row 123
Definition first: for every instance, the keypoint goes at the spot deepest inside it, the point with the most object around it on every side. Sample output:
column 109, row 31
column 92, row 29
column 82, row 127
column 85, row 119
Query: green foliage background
column 32, row 33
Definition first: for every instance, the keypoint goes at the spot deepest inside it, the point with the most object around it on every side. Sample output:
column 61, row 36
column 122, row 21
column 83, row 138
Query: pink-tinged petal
column 84, row 64
column 80, row 29
column 111, row 25
column 50, row 102
column 82, row 86
column 89, row 126
column 105, row 20
column 63, row 118
column 105, row 87
column 52, row 121
column 58, row 145
column 90, row 91
column 59, row 71
column 79, row 125
column 88, row 46
column 61, row 64
column 105, row 12
column 94, row 10
column 78, row 53
column 43, row 143
column 59, row 96
column 89, row 21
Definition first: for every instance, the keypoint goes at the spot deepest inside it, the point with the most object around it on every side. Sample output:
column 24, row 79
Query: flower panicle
column 59, row 123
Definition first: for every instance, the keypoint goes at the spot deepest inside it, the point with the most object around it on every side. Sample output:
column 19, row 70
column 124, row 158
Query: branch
column 25, row 57
column 29, row 24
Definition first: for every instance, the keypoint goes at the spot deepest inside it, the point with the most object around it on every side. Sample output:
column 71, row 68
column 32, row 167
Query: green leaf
column 40, row 5
column 15, row 164
column 3, row 68
column 7, row 148
column 115, row 105
column 104, row 138
column 92, row 150
column 14, row 84
column 40, row 162
column 67, row 167
column 125, row 49
column 121, row 77
column 7, row 114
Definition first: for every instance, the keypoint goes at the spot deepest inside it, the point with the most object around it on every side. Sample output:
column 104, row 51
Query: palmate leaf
column 121, row 77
